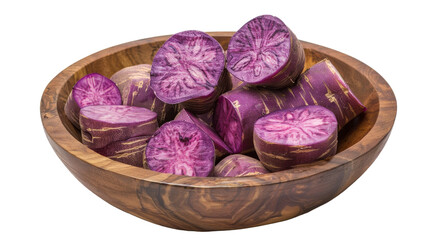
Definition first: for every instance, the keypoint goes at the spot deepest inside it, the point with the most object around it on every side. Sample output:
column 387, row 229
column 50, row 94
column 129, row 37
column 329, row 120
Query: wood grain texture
column 195, row 203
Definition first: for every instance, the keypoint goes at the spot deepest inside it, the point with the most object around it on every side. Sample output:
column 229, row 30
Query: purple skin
column 128, row 151
column 180, row 148
column 295, row 136
column 207, row 118
column 134, row 84
column 235, row 82
column 323, row 85
column 189, row 69
column 237, row 110
column 92, row 89
column 221, row 149
column 104, row 124
column 265, row 52
column 238, row 165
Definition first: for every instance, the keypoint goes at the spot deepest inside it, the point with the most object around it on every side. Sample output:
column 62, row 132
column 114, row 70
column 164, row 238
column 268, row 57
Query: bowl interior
column 143, row 52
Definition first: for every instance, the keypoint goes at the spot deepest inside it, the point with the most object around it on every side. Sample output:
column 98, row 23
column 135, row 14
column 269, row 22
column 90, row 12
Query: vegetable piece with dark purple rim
column 92, row 89
column 221, row 149
column 237, row 110
column 129, row 151
column 180, row 148
column 238, row 165
column 265, row 52
column 189, row 69
column 134, row 84
column 295, row 136
column 103, row 124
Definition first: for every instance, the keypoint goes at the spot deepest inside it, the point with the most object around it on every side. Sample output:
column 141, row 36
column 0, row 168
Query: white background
column 40, row 199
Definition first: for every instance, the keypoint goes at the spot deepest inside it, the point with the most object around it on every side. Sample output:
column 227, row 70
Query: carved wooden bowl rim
column 60, row 135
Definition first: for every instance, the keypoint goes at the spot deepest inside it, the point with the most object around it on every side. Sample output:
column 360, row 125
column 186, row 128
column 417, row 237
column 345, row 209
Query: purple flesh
column 189, row 69
column 134, row 84
column 103, row 124
column 221, row 149
column 265, row 52
column 128, row 151
column 295, row 136
column 180, row 148
column 237, row 110
column 92, row 89
column 238, row 165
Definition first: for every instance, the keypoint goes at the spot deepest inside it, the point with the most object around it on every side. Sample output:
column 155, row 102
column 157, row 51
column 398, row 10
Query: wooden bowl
column 196, row 203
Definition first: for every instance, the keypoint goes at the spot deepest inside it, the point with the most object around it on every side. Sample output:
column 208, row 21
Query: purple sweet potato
column 221, row 149
column 92, row 89
column 189, row 69
column 295, row 136
column 180, row 148
column 323, row 85
column 237, row 110
column 134, row 84
column 238, row 165
column 184, row 115
column 129, row 151
column 103, row 124
column 265, row 52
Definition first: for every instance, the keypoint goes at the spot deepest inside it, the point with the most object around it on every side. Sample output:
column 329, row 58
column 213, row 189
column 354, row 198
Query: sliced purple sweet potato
column 238, row 165
column 221, row 149
column 189, row 69
column 237, row 110
column 134, row 84
column 92, row 89
column 323, row 85
column 295, row 136
column 129, row 151
column 207, row 117
column 103, row 124
column 265, row 52
column 180, row 148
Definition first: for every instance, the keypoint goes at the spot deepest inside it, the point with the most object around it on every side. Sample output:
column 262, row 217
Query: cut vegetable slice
column 103, row 124
column 181, row 148
column 134, row 84
column 189, row 69
column 238, row 165
column 323, row 85
column 92, row 89
column 221, row 149
column 237, row 110
column 128, row 151
column 295, row 136
column 265, row 52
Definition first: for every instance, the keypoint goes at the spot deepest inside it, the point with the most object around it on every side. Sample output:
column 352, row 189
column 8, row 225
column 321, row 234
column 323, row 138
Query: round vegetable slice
column 221, row 149
column 103, row 124
column 180, row 148
column 189, row 69
column 92, row 89
column 265, row 52
column 134, row 84
column 295, row 136
column 129, row 151
column 237, row 110
column 238, row 165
